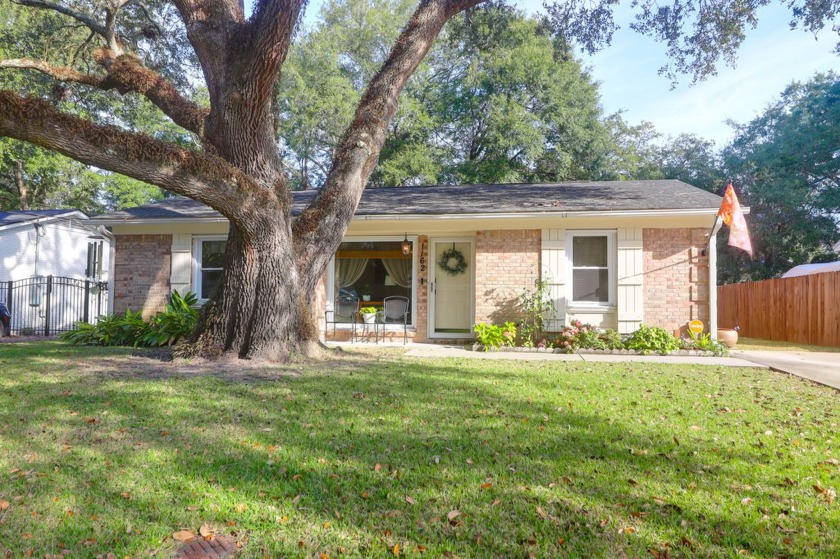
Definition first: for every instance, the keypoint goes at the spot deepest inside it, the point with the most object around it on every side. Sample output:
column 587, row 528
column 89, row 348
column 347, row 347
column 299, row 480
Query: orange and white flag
column 732, row 216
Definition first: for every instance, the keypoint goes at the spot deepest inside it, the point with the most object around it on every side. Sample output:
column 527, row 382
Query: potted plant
column 368, row 314
column 366, row 292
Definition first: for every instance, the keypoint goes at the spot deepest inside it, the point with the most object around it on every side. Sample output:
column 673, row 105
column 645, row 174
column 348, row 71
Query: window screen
column 590, row 269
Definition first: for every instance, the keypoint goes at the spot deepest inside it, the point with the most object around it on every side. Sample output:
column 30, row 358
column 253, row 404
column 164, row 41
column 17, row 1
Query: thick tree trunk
column 262, row 309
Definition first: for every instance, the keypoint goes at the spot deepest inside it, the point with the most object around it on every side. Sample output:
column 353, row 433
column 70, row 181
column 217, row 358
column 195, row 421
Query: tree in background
column 498, row 100
column 224, row 151
column 787, row 165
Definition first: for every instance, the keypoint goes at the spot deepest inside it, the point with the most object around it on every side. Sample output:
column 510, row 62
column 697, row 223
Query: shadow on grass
column 360, row 454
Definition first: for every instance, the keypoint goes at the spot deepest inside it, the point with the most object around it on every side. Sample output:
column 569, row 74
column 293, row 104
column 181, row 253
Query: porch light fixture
column 406, row 246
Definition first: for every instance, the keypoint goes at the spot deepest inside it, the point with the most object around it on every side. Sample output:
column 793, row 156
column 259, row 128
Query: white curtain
column 349, row 270
column 399, row 269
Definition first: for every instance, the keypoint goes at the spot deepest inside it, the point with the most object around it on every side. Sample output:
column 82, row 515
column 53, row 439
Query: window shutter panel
column 630, row 275
column 181, row 275
column 554, row 272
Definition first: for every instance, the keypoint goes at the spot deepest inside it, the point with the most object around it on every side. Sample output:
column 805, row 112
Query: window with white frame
column 209, row 264
column 592, row 268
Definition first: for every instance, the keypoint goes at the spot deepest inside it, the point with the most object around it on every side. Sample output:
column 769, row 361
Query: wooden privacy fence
column 804, row 309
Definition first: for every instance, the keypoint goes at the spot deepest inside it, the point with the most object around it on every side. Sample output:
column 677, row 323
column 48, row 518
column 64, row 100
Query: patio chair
column 346, row 312
column 394, row 311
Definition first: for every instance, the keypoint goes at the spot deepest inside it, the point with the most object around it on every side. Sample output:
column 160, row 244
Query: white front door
column 451, row 296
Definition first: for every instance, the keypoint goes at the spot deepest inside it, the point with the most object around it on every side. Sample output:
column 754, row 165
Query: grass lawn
column 754, row 344
column 378, row 455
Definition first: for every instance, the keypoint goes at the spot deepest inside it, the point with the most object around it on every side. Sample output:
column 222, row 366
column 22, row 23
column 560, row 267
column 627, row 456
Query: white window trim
column 197, row 248
column 612, row 269
column 414, row 284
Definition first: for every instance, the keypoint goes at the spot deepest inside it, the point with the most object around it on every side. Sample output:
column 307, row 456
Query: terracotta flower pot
column 728, row 337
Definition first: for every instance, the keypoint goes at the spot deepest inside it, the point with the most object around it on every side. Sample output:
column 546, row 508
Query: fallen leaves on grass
column 184, row 536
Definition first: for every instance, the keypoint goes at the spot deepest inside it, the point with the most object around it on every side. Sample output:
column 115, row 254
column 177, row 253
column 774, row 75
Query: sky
column 771, row 57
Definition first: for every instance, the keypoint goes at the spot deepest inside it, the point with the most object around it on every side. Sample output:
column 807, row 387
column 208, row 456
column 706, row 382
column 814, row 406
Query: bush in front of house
column 581, row 336
column 177, row 321
column 490, row 336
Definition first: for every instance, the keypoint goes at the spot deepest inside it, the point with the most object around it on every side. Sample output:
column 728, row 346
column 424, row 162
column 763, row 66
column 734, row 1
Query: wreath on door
column 452, row 262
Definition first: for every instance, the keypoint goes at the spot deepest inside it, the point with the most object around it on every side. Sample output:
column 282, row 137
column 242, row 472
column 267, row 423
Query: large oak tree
column 229, row 159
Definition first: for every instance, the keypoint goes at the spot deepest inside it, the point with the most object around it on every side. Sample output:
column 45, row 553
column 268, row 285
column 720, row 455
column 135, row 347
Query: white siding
column 554, row 272
column 182, row 263
column 630, row 276
column 62, row 251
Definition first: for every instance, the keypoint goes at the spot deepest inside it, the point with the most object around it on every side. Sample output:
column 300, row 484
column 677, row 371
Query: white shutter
column 630, row 273
column 182, row 260
column 554, row 272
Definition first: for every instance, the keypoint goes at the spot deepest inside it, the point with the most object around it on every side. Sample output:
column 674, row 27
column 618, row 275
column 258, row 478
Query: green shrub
column 579, row 335
column 177, row 320
column 652, row 338
column 704, row 342
column 493, row 337
column 536, row 305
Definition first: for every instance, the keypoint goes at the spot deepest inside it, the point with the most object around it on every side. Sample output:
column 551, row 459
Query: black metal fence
column 49, row 305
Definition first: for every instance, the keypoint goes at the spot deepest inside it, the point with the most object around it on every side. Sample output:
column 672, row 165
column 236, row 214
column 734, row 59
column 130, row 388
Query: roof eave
column 462, row 216
column 69, row 214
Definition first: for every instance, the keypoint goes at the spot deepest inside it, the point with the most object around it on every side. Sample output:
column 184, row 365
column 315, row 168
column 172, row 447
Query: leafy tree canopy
column 786, row 163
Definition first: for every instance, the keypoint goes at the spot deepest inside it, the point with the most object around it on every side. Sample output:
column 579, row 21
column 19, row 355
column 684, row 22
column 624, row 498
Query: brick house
column 616, row 254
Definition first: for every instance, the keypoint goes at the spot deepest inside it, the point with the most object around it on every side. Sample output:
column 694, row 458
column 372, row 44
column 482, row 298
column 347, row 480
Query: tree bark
column 273, row 263
column 20, row 184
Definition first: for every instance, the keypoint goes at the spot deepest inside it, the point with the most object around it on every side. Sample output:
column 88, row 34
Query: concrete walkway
column 821, row 367
column 438, row 350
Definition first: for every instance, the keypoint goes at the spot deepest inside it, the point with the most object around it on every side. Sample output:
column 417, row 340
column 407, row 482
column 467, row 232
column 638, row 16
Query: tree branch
column 334, row 205
column 273, row 26
column 199, row 176
column 59, row 73
column 127, row 74
column 87, row 20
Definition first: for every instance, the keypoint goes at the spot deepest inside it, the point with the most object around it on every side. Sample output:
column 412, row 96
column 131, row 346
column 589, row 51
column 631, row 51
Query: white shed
column 52, row 267
column 50, row 243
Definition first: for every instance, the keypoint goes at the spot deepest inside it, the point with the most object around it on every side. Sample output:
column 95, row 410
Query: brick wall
column 141, row 273
column 676, row 277
column 506, row 262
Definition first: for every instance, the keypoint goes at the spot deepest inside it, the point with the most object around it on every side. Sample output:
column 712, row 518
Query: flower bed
column 579, row 337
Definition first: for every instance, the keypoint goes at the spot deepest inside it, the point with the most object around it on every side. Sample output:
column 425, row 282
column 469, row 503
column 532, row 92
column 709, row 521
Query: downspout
column 112, row 252
column 713, row 314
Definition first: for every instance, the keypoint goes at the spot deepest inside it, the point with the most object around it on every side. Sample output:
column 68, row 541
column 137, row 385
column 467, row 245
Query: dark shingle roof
column 10, row 218
column 475, row 199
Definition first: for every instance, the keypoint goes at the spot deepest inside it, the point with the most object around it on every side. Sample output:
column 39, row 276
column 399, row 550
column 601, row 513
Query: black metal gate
column 49, row 305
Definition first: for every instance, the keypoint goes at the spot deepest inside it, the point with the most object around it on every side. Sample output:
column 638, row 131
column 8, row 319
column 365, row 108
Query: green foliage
column 785, row 167
column 537, row 304
column 491, row 336
column 703, row 342
column 652, row 338
column 369, row 310
column 113, row 330
column 497, row 100
column 177, row 321
column 579, row 335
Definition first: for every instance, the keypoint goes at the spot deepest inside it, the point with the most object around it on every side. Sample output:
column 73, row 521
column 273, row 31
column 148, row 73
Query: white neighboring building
column 41, row 244
column 51, row 243
column 809, row 269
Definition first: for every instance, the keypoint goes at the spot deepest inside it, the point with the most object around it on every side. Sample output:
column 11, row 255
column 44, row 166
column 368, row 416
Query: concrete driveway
column 820, row 367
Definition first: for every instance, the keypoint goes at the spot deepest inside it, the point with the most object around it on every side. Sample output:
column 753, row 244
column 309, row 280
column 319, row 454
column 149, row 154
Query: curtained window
column 370, row 271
